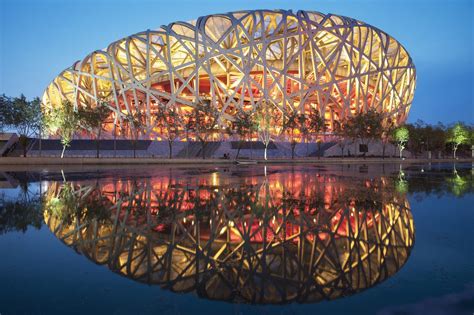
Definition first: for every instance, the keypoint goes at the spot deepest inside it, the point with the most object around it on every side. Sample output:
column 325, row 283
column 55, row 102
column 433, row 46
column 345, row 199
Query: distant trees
column 22, row 115
column 425, row 137
column 365, row 127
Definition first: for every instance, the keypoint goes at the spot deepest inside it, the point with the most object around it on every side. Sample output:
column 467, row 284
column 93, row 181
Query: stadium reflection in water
column 260, row 237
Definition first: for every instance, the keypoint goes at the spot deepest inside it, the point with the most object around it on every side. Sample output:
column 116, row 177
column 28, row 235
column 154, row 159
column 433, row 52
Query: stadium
column 262, row 65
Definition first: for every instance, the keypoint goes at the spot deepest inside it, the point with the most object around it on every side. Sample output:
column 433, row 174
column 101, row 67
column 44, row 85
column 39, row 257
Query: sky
column 40, row 38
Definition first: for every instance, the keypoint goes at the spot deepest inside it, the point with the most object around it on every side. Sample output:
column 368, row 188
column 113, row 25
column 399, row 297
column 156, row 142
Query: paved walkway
column 124, row 161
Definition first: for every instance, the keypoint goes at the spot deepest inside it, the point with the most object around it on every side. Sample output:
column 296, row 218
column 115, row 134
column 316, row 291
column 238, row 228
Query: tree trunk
column 251, row 148
column 203, row 148
column 23, row 140
column 170, row 144
column 62, row 153
column 40, row 144
column 383, row 151
column 134, row 148
column 238, row 150
column 97, row 141
column 307, row 146
column 293, row 146
column 187, row 144
column 265, row 152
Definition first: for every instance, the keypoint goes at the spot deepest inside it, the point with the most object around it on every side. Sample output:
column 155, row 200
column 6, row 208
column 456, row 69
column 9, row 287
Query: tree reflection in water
column 278, row 238
column 21, row 210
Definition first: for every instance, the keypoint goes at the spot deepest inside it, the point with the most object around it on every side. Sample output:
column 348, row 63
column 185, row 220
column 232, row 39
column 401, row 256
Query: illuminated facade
column 267, row 64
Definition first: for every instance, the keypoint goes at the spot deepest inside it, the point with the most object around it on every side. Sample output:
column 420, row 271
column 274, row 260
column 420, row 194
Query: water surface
column 372, row 238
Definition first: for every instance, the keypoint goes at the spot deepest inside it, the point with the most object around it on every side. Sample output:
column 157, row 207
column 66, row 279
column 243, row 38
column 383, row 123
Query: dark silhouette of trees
column 365, row 127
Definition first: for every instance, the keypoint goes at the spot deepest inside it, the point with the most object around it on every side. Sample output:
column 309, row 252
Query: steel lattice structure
column 255, row 241
column 242, row 61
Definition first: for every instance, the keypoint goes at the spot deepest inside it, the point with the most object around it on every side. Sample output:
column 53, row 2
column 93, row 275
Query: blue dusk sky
column 40, row 38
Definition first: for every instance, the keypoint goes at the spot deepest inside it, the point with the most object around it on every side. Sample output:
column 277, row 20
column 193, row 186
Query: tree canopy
column 62, row 121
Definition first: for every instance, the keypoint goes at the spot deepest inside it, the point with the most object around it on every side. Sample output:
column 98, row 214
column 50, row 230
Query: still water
column 338, row 239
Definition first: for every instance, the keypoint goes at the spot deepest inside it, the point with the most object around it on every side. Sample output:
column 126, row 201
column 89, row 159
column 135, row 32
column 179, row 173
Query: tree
column 365, row 126
column 434, row 137
column 189, row 126
column 416, row 141
column 263, row 125
column 401, row 136
column 93, row 118
column 243, row 126
column 204, row 117
column 135, row 123
column 304, row 128
column 62, row 121
column 290, row 125
column 386, row 135
column 457, row 135
column 167, row 120
column 5, row 111
column 316, row 126
column 19, row 212
column 339, row 131
column 24, row 116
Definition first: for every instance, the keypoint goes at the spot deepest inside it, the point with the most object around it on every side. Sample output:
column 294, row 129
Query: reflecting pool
column 373, row 238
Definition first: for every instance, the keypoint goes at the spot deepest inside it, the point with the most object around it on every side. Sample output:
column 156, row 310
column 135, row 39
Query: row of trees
column 203, row 122
column 421, row 137
column 418, row 137
column 26, row 118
